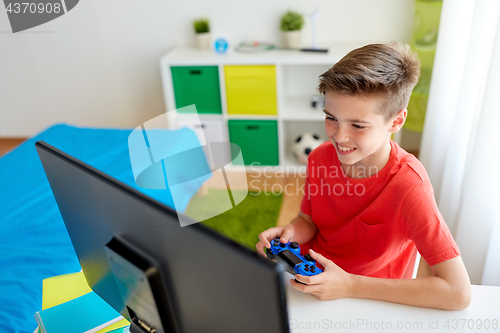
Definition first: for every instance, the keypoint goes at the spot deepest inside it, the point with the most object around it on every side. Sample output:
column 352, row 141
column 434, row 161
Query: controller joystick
column 290, row 257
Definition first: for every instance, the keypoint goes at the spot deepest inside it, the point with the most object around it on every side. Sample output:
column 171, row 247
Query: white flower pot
column 293, row 39
column 204, row 41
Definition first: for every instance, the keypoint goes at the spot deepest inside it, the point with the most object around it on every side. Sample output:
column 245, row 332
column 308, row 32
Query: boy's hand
column 285, row 234
column 333, row 283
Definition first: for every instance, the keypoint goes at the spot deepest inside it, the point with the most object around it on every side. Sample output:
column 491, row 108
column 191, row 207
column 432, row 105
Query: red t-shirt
column 370, row 226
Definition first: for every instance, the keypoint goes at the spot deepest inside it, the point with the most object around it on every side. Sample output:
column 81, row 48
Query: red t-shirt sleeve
column 425, row 226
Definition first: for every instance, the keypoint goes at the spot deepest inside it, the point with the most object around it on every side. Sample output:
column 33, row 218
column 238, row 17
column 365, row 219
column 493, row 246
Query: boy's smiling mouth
column 344, row 150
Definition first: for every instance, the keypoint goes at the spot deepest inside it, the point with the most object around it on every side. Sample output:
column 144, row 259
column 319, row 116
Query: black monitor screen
column 215, row 285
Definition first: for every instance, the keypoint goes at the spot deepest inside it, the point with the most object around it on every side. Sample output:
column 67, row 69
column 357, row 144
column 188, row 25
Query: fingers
column 309, row 280
column 260, row 249
column 269, row 234
column 265, row 237
column 286, row 235
column 305, row 288
column 313, row 290
column 320, row 259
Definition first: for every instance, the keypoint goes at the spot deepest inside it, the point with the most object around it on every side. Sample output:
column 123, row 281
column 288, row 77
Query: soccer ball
column 304, row 144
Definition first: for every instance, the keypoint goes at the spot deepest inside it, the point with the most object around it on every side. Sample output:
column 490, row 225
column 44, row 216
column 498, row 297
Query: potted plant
column 203, row 36
column 291, row 24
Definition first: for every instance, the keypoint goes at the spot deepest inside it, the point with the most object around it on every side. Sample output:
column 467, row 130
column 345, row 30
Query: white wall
column 98, row 64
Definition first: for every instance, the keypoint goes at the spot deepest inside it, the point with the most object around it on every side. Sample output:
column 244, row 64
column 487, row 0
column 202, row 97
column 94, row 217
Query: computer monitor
column 201, row 281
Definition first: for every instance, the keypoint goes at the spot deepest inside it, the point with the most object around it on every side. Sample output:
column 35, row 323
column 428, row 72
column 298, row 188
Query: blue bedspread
column 34, row 243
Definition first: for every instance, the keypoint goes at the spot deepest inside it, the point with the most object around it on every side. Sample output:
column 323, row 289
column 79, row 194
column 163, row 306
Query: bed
column 34, row 243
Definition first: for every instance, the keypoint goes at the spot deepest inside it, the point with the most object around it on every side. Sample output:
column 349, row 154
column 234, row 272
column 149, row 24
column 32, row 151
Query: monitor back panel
column 216, row 284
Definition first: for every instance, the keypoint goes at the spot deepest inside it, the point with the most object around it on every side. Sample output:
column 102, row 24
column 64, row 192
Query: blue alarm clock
column 221, row 45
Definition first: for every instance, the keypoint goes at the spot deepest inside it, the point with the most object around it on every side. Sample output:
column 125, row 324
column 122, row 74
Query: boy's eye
column 358, row 126
column 330, row 118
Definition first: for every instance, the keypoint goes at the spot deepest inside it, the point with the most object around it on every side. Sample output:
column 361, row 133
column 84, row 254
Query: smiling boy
column 365, row 238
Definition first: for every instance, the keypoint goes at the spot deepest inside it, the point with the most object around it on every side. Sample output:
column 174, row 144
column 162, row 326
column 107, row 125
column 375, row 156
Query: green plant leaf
column 291, row 21
column 201, row 25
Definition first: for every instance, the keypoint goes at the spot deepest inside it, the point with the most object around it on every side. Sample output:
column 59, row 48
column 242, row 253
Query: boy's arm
column 448, row 289
column 424, row 269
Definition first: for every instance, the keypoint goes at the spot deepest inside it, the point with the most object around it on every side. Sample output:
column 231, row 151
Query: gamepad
column 290, row 257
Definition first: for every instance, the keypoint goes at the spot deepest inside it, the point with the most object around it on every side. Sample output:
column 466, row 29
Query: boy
column 368, row 204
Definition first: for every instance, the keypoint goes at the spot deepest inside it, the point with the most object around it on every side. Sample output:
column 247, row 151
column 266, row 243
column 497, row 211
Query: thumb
column 286, row 235
column 320, row 259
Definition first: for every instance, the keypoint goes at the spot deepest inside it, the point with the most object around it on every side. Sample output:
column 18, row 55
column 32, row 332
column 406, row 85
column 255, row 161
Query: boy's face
column 359, row 133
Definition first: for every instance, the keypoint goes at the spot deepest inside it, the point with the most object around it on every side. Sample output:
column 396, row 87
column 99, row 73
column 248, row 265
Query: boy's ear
column 398, row 121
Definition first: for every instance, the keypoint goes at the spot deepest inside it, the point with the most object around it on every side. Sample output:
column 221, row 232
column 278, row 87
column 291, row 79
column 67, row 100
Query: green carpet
column 243, row 223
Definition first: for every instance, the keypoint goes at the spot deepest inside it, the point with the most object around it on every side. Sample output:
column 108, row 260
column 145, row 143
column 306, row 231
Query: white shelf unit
column 297, row 76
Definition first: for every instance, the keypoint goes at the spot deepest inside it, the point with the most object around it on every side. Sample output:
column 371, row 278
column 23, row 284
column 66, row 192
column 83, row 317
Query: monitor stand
column 142, row 288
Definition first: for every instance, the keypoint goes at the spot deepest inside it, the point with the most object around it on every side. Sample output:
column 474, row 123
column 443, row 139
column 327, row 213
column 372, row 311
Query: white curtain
column 461, row 139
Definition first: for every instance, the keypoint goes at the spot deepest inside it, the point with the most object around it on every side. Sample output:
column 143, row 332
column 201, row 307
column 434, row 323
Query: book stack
column 69, row 305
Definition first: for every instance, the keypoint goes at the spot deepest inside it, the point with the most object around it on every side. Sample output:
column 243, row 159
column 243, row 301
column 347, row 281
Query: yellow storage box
column 251, row 90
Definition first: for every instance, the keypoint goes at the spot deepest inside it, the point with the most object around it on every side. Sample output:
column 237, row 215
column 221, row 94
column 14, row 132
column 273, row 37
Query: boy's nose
column 341, row 135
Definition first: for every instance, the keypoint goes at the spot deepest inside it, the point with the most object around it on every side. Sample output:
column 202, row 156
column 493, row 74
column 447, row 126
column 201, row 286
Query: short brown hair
column 390, row 71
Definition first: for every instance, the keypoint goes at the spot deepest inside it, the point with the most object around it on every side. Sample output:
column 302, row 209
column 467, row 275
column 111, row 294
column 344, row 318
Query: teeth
column 344, row 148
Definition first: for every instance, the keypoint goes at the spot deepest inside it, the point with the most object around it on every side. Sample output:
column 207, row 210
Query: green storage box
column 197, row 85
column 258, row 140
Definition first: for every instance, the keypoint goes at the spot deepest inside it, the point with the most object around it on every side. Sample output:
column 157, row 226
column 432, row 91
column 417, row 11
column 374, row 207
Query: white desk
column 308, row 314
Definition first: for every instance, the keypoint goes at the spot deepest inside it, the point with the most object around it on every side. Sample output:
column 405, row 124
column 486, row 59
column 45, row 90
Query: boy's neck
column 370, row 165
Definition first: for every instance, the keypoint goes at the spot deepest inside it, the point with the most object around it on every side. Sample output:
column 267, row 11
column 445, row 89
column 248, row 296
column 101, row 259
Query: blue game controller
column 289, row 256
